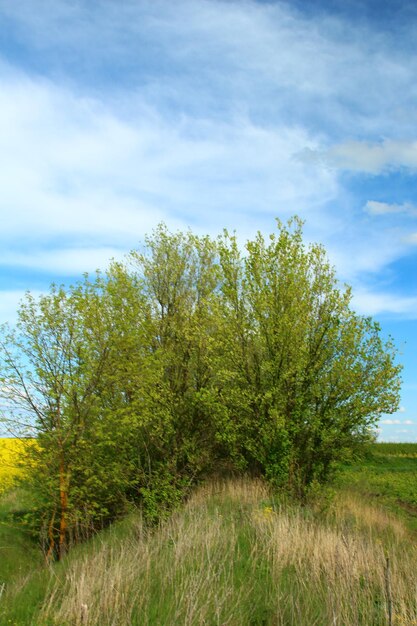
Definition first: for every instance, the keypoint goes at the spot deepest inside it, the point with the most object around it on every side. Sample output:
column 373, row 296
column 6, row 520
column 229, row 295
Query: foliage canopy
column 192, row 356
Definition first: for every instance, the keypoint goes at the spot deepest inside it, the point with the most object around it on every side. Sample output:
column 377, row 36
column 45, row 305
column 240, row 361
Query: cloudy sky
column 118, row 114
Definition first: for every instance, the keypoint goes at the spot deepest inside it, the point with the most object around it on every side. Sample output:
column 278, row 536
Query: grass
column 20, row 556
column 18, row 551
column 236, row 554
column 387, row 475
column 396, row 449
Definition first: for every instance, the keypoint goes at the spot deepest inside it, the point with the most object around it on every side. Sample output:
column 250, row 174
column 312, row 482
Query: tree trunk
column 63, row 496
column 50, row 553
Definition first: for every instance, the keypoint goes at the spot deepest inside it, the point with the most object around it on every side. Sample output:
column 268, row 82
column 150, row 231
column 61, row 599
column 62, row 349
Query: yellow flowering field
column 10, row 451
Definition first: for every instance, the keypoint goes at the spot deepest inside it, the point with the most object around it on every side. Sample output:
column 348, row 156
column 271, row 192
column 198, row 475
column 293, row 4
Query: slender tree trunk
column 51, row 547
column 63, row 496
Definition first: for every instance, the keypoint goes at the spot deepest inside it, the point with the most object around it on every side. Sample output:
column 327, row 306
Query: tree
column 192, row 355
column 180, row 274
column 40, row 382
column 306, row 376
column 61, row 380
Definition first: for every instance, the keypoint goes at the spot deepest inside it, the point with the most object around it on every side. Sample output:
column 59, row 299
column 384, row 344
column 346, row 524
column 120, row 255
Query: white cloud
column 367, row 302
column 410, row 239
column 66, row 262
column 228, row 56
column 194, row 114
column 367, row 157
column 382, row 208
column 391, row 422
column 70, row 166
column 402, row 409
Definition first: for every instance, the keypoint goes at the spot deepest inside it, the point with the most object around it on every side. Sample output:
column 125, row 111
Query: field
column 389, row 476
column 10, row 453
column 239, row 555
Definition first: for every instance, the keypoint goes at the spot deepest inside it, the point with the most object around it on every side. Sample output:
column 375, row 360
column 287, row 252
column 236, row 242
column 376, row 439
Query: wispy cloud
column 392, row 422
column 372, row 303
column 71, row 166
column 374, row 207
column 370, row 158
column 66, row 262
column 411, row 239
column 222, row 57
column 396, row 422
column 115, row 116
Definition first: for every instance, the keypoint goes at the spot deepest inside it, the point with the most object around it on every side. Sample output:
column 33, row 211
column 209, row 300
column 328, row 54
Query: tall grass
column 235, row 556
column 387, row 474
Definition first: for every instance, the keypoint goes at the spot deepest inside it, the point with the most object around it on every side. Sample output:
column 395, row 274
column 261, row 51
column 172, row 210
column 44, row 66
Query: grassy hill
column 236, row 554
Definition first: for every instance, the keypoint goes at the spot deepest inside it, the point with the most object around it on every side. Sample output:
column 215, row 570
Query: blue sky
column 116, row 115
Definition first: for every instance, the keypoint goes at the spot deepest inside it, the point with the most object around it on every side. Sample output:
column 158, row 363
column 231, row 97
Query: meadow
column 388, row 475
column 236, row 553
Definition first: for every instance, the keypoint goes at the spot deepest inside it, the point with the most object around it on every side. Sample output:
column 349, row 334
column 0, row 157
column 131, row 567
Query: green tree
column 180, row 273
column 40, row 382
column 303, row 377
column 192, row 355
column 65, row 377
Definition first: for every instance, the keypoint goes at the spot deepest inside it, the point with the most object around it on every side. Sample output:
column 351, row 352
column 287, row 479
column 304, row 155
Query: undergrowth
column 236, row 555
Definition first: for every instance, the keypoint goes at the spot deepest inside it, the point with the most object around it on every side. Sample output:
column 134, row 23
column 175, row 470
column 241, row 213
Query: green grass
column 395, row 449
column 389, row 475
column 19, row 553
column 28, row 578
column 180, row 540
column 20, row 556
column 234, row 554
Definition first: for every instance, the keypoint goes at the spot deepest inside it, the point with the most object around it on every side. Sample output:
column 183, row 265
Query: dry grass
column 351, row 508
column 181, row 574
column 336, row 576
column 233, row 557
